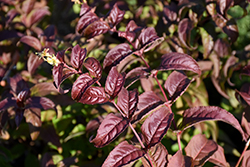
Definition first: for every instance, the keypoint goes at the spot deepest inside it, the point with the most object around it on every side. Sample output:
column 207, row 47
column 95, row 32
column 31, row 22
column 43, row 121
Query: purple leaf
column 110, row 128
column 6, row 34
column 180, row 160
column 176, row 84
column 80, row 85
column 17, row 83
column 114, row 82
column 194, row 115
column 179, row 61
column 43, row 89
column 170, row 12
column 156, row 125
column 84, row 9
column 127, row 101
column 18, row 116
column 130, row 32
column 77, row 56
column 158, row 155
column 27, row 6
column 33, row 62
column 94, row 124
column 246, row 159
column 22, row 97
column 32, row 41
column 218, row 157
column 36, row 15
column 184, row 31
column 40, row 102
column 6, row 103
column 116, row 54
column 221, row 48
column 245, row 70
column 147, row 101
column 200, row 149
column 94, row 95
column 135, row 74
column 115, row 16
column 48, row 134
column 245, row 121
column 33, row 118
column 96, row 28
column 86, row 20
column 57, row 74
column 94, row 67
column 244, row 92
column 47, row 160
column 123, row 154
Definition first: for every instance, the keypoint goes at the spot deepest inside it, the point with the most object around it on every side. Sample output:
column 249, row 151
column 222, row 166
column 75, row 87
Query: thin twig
column 242, row 154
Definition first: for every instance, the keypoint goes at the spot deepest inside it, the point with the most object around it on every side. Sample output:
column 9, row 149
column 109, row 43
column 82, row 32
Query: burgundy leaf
column 244, row 92
column 245, row 121
column 40, row 102
column 224, row 5
column 246, row 159
column 127, row 101
column 170, row 12
column 57, row 74
column 115, row 16
column 135, row 74
column 49, row 34
column 200, row 149
column 156, row 125
column 22, row 97
column 94, row 67
column 6, row 103
column 158, row 155
column 96, row 28
column 94, row 95
column 60, row 55
column 36, row 15
column 123, row 154
column 33, row 62
column 184, row 31
column 180, row 160
column 114, row 82
column 110, row 128
column 194, row 115
column 86, row 20
column 176, row 84
column 221, row 48
column 116, row 54
column 218, row 157
column 77, row 56
column 179, row 61
column 80, row 85
column 47, row 160
column 43, row 89
column 84, row 9
column 18, row 116
column 17, row 83
column 33, row 118
column 32, row 41
column 12, row 13
column 27, row 6
column 246, row 70
column 147, row 101
column 6, row 34
column 130, row 32
column 94, row 124
column 48, row 134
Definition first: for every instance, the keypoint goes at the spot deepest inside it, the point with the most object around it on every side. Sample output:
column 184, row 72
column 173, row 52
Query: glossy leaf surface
column 94, row 67
column 57, row 74
column 77, row 56
column 94, row 95
column 180, row 160
column 96, row 28
column 115, row 16
column 86, row 20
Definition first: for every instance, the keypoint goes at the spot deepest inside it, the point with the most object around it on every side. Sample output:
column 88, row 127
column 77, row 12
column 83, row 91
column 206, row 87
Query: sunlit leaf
column 32, row 41
column 96, row 28
column 94, row 95
column 180, row 160
column 33, row 118
column 115, row 16
column 218, row 157
column 77, row 56
column 184, row 31
column 94, row 67
column 86, row 20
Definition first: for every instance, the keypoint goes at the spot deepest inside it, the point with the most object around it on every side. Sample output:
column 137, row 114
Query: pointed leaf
column 123, row 154
column 179, row 61
column 147, row 101
column 77, row 56
column 32, row 41
column 221, row 48
column 158, row 155
column 80, row 85
column 86, row 20
column 96, row 28
column 180, row 160
column 200, row 149
column 36, row 15
column 94, row 95
column 127, row 101
column 115, row 16
column 33, row 62
column 246, row 70
column 116, row 54
column 184, row 31
column 84, row 9
column 110, row 128
column 194, row 115
column 94, row 67
column 176, row 84
column 245, row 121
column 114, row 82
column 156, row 125
column 135, row 74
column 40, row 102
column 18, row 116
column 17, row 83
column 244, row 92
column 57, row 74
column 218, row 158
column 33, row 118
column 27, row 6
column 43, row 89
column 6, row 103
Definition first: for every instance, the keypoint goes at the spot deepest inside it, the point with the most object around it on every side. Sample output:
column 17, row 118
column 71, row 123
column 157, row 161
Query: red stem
column 179, row 140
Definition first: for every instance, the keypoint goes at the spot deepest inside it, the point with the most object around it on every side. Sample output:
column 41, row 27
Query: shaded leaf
column 48, row 134
column 176, row 84
column 200, row 149
column 86, row 20
column 221, row 48
column 110, row 128
column 207, row 42
column 80, row 86
column 180, row 160
column 40, row 102
column 6, row 34
column 43, row 89
column 6, row 103
column 94, row 124
column 32, row 41
column 184, row 31
column 156, row 125
column 218, row 158
column 135, row 74
column 127, row 101
column 194, row 115
column 130, row 32
column 47, row 160
column 245, row 70
column 244, row 92
column 22, row 96
column 224, row 5
column 116, row 54
column 179, row 61
column 158, row 155
column 115, row 16
column 170, row 12
column 114, row 82
column 18, row 116
column 57, row 74
column 33, row 62
column 123, row 154
column 33, row 117
column 36, row 15
column 246, row 159
column 17, row 83
column 77, row 56
column 94, row 95
column 245, row 121
column 94, row 67
column 147, row 101
column 96, row 28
